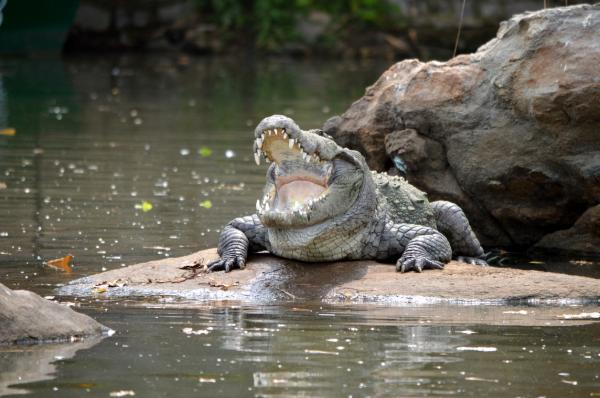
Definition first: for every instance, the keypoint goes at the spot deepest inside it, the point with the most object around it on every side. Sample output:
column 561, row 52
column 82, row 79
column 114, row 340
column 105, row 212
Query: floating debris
column 9, row 132
column 571, row 382
column 63, row 264
column 581, row 262
column 307, row 351
column 158, row 248
column 520, row 312
column 583, row 315
column 205, row 151
column 229, row 154
column 145, row 206
column 3, row 185
column 207, row 204
column 481, row 379
column 196, row 332
column 480, row 349
column 184, row 151
column 122, row 393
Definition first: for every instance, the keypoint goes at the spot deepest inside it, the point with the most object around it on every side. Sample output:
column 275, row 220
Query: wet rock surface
column 510, row 132
column 26, row 318
column 268, row 278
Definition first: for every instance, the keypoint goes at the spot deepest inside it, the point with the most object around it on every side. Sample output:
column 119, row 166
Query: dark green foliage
column 269, row 24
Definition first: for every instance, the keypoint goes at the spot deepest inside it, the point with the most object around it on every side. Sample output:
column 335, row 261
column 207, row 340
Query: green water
column 97, row 137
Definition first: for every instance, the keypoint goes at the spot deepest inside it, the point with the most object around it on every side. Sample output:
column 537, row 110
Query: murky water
column 101, row 140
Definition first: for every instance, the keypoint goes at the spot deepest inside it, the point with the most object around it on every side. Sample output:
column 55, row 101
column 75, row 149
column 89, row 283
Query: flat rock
column 28, row 318
column 268, row 278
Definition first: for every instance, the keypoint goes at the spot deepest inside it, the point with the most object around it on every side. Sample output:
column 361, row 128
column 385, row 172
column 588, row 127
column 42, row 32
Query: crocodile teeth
column 267, row 206
column 257, row 204
column 291, row 143
column 257, row 158
column 259, row 142
column 285, row 136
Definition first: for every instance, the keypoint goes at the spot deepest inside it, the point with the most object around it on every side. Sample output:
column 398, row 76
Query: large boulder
column 28, row 318
column 511, row 133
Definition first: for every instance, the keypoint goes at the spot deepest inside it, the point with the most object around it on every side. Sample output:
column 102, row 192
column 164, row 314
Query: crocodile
column 322, row 203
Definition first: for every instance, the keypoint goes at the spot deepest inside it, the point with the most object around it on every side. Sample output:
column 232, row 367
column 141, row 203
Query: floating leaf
column 145, row 206
column 207, row 204
column 62, row 264
column 205, row 151
column 3, row 185
column 8, row 132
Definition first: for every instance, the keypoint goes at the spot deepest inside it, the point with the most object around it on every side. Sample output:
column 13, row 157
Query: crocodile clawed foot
column 226, row 263
column 472, row 260
column 417, row 264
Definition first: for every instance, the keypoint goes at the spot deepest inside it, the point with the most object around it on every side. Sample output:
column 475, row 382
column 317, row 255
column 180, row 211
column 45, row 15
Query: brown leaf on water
column 9, row 132
column 63, row 264
column 3, row 185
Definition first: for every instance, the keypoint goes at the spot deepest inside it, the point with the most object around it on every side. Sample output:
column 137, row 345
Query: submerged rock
column 510, row 133
column 27, row 318
column 268, row 278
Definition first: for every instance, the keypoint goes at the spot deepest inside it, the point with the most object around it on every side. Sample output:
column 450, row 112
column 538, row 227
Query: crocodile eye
column 321, row 133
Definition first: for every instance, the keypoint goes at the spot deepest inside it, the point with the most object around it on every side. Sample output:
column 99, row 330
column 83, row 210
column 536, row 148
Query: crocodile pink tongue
column 293, row 194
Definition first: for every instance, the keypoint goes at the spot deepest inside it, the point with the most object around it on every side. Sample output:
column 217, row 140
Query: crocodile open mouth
column 301, row 179
column 276, row 145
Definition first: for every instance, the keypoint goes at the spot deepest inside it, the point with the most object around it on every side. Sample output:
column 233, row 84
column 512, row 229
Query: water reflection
column 28, row 364
column 299, row 351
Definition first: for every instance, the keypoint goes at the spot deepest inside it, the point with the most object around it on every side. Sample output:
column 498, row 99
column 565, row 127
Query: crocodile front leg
column 417, row 246
column 240, row 236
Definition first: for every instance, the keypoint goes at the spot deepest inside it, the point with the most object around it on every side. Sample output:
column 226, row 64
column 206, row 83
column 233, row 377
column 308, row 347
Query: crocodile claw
column 226, row 263
column 473, row 260
column 417, row 264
